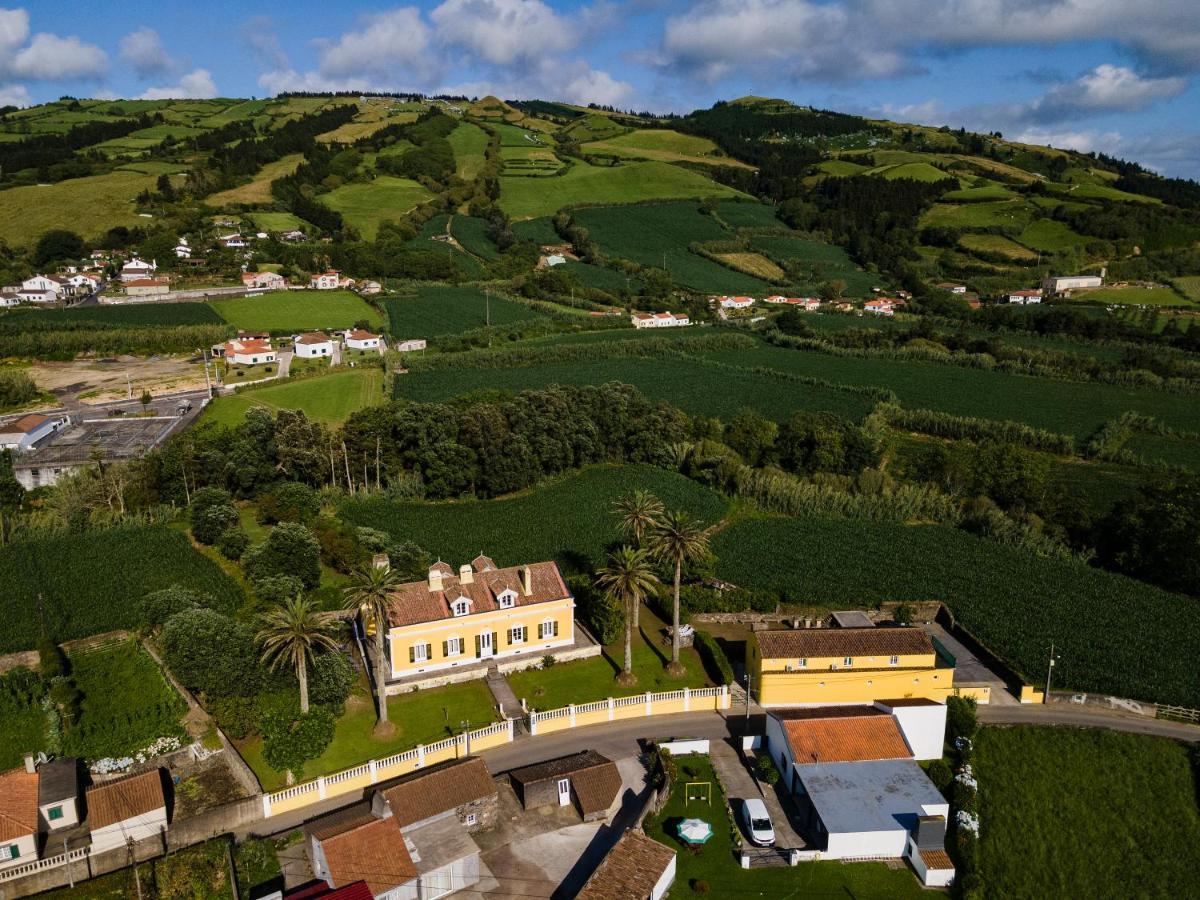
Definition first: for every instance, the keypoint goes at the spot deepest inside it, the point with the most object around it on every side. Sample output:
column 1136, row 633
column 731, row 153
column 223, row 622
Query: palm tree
column 637, row 512
column 290, row 633
column 370, row 595
column 677, row 538
column 628, row 578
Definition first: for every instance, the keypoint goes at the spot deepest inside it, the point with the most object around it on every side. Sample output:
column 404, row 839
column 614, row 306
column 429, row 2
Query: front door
column 485, row 644
column 564, row 792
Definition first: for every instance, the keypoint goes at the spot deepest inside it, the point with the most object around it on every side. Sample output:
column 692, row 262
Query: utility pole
column 749, row 684
column 1050, row 671
column 207, row 382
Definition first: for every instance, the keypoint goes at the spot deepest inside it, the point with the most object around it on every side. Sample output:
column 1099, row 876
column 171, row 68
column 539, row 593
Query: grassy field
column 277, row 221
column 978, row 215
column 664, row 145
column 471, row 233
column 1050, row 236
column 754, row 264
column 1086, row 813
column 738, row 214
column 528, row 198
column 692, row 386
column 586, row 680
column 1013, row 602
column 979, row 194
column 1189, row 286
column 716, row 864
column 551, row 524
column 918, row 171
column 539, row 231
column 469, row 143
column 841, row 168
column 292, row 311
column 258, row 189
column 996, row 243
column 436, row 311
column 420, row 717
column 365, row 204
column 89, row 206
column 126, row 703
column 825, row 262
column 328, row 399
column 1134, row 296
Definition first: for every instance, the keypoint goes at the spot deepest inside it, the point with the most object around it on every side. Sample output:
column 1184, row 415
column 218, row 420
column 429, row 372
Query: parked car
column 758, row 822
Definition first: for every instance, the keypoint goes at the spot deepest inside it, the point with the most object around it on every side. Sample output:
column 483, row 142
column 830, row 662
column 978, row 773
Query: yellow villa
column 482, row 613
column 820, row 666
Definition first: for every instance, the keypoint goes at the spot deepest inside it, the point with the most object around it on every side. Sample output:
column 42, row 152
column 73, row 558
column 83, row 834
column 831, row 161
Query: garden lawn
column 585, row 680
column 1069, row 812
column 127, row 703
column 437, row 311
column 570, row 520
column 365, row 204
column 328, row 399
column 1015, row 603
column 715, row 864
column 287, row 312
column 420, row 717
column 527, row 198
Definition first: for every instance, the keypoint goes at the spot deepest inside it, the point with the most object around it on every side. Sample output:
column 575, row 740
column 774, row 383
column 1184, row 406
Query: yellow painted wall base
column 1029, row 694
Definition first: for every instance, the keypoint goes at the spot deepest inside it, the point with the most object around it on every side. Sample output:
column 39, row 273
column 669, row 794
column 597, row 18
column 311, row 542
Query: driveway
column 970, row 669
column 731, row 768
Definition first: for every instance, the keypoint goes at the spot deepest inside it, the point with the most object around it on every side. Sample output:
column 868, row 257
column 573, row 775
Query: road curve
column 1078, row 717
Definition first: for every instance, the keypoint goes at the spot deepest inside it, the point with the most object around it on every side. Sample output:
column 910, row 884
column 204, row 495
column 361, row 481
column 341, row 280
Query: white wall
column 776, row 744
column 938, row 878
column 665, row 882
column 923, row 727
column 70, row 814
column 312, row 351
column 682, row 748
column 849, row 845
column 26, row 847
column 118, row 834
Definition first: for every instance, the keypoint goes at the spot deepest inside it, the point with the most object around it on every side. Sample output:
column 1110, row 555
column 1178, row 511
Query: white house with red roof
column 1023, row 298
column 18, row 816
column 879, row 307
column 360, row 339
column 22, row 433
column 137, row 269
column 313, row 345
column 246, row 351
column 659, row 320
column 268, row 281
column 327, row 281
column 735, row 302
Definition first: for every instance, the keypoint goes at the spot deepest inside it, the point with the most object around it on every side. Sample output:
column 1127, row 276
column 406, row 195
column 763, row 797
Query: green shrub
column 765, row 769
column 277, row 588
column 961, row 718
column 291, row 739
column 211, row 653
column 212, row 512
column 288, row 502
column 232, row 543
column 716, row 663
column 290, row 549
column 158, row 606
column 330, row 679
column 602, row 616
column 16, row 388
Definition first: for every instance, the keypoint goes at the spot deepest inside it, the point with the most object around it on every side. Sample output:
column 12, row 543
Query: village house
column 9, row 298
column 461, row 789
column 327, row 281
column 1064, row 284
column 734, row 302
column 659, row 320
column 370, row 288
column 952, row 286
column 294, row 237
column 84, row 282
column 353, row 845
column 246, row 351
column 19, row 816
column 829, row 666
column 232, row 242
column 147, row 287
column 636, row 868
column 21, row 434
column 129, row 809
column 270, row 281
column 42, row 284
column 313, row 345
column 879, row 307
column 137, row 269
column 359, row 339
column 1025, row 297
column 58, row 794
column 481, row 613
column 586, row 779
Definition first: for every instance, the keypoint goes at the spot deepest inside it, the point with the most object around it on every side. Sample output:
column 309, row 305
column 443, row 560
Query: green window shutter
column 510, row 637
column 556, row 627
column 495, row 641
column 428, row 652
column 14, row 852
column 445, row 648
column 412, row 654
column 55, row 813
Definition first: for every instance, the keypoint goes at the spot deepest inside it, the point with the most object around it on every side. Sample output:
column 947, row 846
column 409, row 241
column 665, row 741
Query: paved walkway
column 502, row 692
column 731, row 767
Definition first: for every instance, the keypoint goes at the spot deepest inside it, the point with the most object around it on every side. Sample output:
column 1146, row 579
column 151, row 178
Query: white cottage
column 130, row 809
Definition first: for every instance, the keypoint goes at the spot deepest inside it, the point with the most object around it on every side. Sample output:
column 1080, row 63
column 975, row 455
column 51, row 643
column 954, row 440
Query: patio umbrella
column 695, row 831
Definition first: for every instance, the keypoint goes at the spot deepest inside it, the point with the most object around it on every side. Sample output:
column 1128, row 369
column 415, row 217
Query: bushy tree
column 290, row 549
column 752, row 435
column 212, row 513
column 331, row 679
column 291, row 739
column 159, row 606
column 277, row 588
column 409, row 561
column 57, row 245
column 210, row 653
column 288, row 502
column 232, row 543
column 1155, row 535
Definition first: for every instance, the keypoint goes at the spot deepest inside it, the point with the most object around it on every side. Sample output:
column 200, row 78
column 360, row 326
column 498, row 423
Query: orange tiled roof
column 373, row 852
column 845, row 738
column 358, row 334
column 803, row 643
column 630, row 870
column 313, row 337
column 936, row 859
column 414, row 602
column 18, row 804
column 26, row 423
column 127, row 798
column 422, row 795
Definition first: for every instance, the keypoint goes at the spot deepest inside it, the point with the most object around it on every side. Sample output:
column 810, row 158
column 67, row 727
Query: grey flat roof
column 877, row 795
column 117, row 438
column 439, row 843
column 852, row 618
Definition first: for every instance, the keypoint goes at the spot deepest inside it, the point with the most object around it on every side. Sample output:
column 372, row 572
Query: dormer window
column 507, row 600
column 461, row 607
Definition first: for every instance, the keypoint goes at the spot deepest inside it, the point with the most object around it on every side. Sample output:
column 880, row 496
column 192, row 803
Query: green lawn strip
column 287, row 312
column 330, row 398
column 1015, row 603
column 1085, row 813
column 1135, row 296
column 586, row 680
column 552, row 525
column 420, row 717
column 469, row 143
column 715, row 863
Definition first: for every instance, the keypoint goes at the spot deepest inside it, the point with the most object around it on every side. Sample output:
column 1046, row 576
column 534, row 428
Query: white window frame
column 507, row 600
column 421, row 652
column 518, row 634
column 802, row 662
column 848, row 662
column 461, row 607
column 471, row 819
column 454, row 646
column 546, row 629
column 893, row 661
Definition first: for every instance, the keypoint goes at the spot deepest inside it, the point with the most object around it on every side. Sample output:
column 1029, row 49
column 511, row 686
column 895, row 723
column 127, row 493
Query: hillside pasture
column 550, row 524
column 469, row 143
column 367, row 203
column 979, row 194
column 329, row 398
column 1050, row 236
column 754, row 264
column 1134, row 296
column 287, row 312
column 258, row 189
column 824, row 262
column 664, row 145
column 841, row 168
column 528, row 198
column 737, row 214
column 437, row 311
column 89, row 206
column 917, row 171
column 277, row 221
column 1015, row 213
column 996, row 243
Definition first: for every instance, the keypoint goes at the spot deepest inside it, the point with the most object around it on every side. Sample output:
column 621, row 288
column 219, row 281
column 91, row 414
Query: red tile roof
column 845, row 738
column 630, row 870
column 359, row 334
column 936, row 859
column 25, row 424
column 127, row 798
column 594, row 778
column 803, row 643
column 18, row 804
column 414, row 602
column 422, row 795
column 313, row 337
column 373, row 852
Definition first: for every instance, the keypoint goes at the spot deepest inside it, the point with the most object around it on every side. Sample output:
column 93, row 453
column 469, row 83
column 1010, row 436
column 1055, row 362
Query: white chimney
column 30, row 765
column 435, row 579
column 527, row 580
column 465, row 575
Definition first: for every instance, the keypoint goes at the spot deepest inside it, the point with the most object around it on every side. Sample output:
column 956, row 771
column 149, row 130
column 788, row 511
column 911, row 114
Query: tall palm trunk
column 629, row 619
column 302, row 674
column 675, row 617
column 380, row 695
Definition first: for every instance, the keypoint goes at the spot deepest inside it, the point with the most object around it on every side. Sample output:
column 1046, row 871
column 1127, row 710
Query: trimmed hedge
column 715, row 661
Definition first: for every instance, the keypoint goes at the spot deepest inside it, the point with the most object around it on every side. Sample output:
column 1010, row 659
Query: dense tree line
column 46, row 150
column 1149, row 226
column 1181, row 192
column 432, row 155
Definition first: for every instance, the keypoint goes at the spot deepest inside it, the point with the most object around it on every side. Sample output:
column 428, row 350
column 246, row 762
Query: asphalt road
column 1080, row 717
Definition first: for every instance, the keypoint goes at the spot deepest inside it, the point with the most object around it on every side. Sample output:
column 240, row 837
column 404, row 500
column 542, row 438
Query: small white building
column 232, row 242
column 23, row 433
column 357, row 339
column 9, row 299
column 130, row 809
column 270, row 281
column 1061, row 284
column 84, row 282
column 1023, row 298
column 659, row 320
column 952, row 286
column 147, row 287
column 410, row 345
column 353, row 845
column 879, row 308
column 294, row 237
column 735, row 302
column 182, row 250
column 137, row 269
column 313, row 345
column 370, row 288
column 326, row 281
column 35, row 296
column 555, row 259
column 246, row 351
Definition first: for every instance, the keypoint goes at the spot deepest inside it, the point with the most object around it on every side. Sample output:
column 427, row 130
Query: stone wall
column 218, row 820
column 82, row 869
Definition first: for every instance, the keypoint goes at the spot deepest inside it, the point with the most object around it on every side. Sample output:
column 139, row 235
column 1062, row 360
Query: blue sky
column 1106, row 75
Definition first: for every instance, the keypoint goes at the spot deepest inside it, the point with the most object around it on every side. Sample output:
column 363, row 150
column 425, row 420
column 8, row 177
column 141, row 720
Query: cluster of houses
column 660, row 320
column 252, row 348
column 46, row 810
column 42, row 289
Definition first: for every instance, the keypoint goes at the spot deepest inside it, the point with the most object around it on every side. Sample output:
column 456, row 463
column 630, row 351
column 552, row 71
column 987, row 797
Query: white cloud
column 1106, row 88
column 587, row 85
column 260, row 34
column 14, row 95
column 49, row 57
column 503, row 32
column 143, row 50
column 388, row 46
column 195, row 85
column 14, row 30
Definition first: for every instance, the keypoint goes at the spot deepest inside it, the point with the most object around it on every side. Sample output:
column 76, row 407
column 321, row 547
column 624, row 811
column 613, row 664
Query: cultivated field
column 1134, row 296
column 286, row 312
column 365, row 204
column 665, row 145
column 1050, row 236
column 824, row 262
column 436, row 311
column 996, row 243
column 978, row 215
column 330, row 398
column 471, row 234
